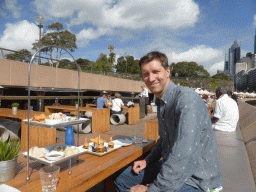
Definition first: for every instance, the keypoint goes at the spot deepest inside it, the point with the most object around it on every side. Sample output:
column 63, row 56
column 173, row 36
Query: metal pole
column 39, row 60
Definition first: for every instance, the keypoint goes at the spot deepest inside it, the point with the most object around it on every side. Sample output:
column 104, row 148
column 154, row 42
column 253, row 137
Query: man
column 233, row 96
column 185, row 156
column 101, row 101
column 56, row 102
column 144, row 94
column 226, row 112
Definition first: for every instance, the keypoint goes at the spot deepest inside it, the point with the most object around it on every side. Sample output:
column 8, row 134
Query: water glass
column 49, row 177
column 138, row 141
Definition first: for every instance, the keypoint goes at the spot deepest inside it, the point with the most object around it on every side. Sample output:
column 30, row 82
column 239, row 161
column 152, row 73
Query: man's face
column 155, row 77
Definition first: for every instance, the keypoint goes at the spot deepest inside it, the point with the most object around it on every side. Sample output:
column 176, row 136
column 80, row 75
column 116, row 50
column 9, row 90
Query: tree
column 85, row 64
column 132, row 65
column 102, row 63
column 188, row 69
column 58, row 37
column 222, row 77
column 22, row 55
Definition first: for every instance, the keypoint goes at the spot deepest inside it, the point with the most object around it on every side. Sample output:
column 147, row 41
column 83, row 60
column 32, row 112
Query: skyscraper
column 233, row 58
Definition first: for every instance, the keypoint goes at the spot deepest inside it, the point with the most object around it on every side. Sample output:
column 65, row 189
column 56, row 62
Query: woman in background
column 117, row 103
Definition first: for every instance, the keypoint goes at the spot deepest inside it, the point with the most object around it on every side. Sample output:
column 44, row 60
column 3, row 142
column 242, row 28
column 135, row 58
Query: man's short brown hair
column 155, row 55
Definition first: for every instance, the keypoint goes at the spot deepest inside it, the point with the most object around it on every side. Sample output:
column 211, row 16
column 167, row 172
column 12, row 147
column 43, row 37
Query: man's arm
column 181, row 162
column 155, row 153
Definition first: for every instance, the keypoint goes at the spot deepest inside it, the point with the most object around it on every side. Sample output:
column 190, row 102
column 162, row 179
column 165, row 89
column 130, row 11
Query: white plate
column 7, row 188
column 53, row 121
column 54, row 156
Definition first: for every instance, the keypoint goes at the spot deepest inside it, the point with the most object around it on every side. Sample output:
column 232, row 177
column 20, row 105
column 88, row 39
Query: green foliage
column 22, row 55
column 9, row 149
column 102, row 63
column 188, row 69
column 222, row 76
column 58, row 37
column 76, row 102
column 132, row 65
column 15, row 104
column 85, row 64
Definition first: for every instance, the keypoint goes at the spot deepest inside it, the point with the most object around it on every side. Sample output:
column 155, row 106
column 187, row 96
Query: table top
column 86, row 172
column 21, row 114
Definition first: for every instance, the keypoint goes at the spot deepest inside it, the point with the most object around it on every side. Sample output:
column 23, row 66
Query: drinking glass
column 138, row 141
column 49, row 177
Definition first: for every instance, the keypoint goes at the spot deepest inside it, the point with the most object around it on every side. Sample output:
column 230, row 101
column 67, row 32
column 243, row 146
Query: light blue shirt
column 186, row 143
column 100, row 102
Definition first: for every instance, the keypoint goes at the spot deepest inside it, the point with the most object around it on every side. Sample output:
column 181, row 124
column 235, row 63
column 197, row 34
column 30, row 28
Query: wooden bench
column 132, row 114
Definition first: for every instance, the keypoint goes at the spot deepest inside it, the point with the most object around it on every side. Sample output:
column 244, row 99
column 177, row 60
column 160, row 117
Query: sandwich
column 100, row 149
column 86, row 145
column 111, row 144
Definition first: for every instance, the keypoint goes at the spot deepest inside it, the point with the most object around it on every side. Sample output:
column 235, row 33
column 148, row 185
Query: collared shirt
column 226, row 110
column 186, row 143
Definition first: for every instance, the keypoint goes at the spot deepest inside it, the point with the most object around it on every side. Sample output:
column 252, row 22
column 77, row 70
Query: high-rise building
column 255, row 42
column 233, row 58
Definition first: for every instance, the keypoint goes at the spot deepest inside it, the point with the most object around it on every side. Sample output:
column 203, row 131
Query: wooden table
column 87, row 172
column 100, row 117
column 39, row 136
column 132, row 113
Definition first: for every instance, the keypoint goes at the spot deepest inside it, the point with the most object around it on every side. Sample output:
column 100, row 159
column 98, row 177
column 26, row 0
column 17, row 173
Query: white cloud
column 217, row 66
column 198, row 54
column 19, row 36
column 114, row 15
column 254, row 20
column 85, row 35
column 12, row 6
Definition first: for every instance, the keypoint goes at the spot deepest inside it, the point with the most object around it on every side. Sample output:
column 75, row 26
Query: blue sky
column 185, row 30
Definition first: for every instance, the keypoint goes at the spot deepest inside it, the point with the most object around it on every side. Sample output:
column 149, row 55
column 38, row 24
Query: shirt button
column 163, row 119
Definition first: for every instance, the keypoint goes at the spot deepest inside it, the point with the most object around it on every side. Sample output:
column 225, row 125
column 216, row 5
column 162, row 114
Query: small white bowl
column 53, row 156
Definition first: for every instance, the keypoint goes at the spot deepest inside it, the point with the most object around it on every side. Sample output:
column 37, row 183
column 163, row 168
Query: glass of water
column 49, row 177
column 138, row 140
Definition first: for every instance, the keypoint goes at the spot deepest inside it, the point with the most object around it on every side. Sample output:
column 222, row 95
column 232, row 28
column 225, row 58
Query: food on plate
column 57, row 116
column 100, row 149
column 39, row 118
column 71, row 151
column 97, row 140
column 73, row 118
column 38, row 152
column 86, row 145
column 59, row 148
column 111, row 144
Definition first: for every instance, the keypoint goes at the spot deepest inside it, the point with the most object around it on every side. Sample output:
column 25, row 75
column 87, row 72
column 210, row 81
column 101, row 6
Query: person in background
column 101, row 101
column 56, row 102
column 233, row 96
column 226, row 113
column 205, row 99
column 184, row 159
column 117, row 104
column 109, row 101
column 144, row 94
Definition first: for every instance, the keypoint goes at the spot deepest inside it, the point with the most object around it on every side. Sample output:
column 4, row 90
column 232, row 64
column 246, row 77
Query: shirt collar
column 168, row 94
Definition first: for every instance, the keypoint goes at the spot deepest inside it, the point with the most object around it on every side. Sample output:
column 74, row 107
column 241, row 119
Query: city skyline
column 185, row 30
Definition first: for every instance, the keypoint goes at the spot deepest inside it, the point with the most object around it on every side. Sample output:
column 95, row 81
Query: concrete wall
column 15, row 73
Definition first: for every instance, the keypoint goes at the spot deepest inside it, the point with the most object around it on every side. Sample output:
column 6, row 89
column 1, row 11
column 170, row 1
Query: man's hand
column 138, row 166
column 139, row 188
